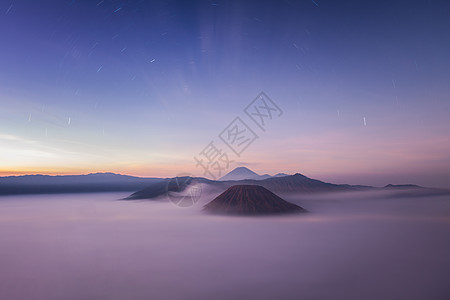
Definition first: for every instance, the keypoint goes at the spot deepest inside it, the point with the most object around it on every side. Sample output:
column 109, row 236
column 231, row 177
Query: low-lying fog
column 349, row 246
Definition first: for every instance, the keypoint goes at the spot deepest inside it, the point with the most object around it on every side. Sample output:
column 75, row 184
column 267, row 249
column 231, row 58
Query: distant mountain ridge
column 148, row 188
column 93, row 182
column 283, row 184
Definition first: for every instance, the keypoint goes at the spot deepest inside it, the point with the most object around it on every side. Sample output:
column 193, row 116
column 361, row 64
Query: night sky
column 142, row 87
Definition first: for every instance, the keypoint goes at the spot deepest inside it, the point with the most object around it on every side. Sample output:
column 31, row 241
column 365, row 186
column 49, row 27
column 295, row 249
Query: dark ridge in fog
column 163, row 186
column 250, row 200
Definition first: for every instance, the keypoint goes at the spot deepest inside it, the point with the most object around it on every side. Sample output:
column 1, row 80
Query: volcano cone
column 250, row 200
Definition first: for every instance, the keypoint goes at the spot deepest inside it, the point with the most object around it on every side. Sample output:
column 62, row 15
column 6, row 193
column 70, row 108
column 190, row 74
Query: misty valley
column 348, row 245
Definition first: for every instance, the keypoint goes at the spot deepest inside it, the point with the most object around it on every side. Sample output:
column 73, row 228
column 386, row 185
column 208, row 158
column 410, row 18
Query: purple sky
column 141, row 87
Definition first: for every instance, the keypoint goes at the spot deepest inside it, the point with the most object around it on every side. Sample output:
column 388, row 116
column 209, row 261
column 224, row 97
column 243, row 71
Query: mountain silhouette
column 167, row 185
column 250, row 200
column 148, row 188
column 94, row 182
column 280, row 175
column 297, row 183
column 241, row 173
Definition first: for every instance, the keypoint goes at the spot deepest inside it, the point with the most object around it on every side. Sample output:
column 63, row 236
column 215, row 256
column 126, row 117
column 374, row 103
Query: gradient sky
column 141, row 87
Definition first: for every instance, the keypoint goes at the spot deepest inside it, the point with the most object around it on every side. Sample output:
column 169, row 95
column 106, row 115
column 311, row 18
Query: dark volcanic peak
column 250, row 200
